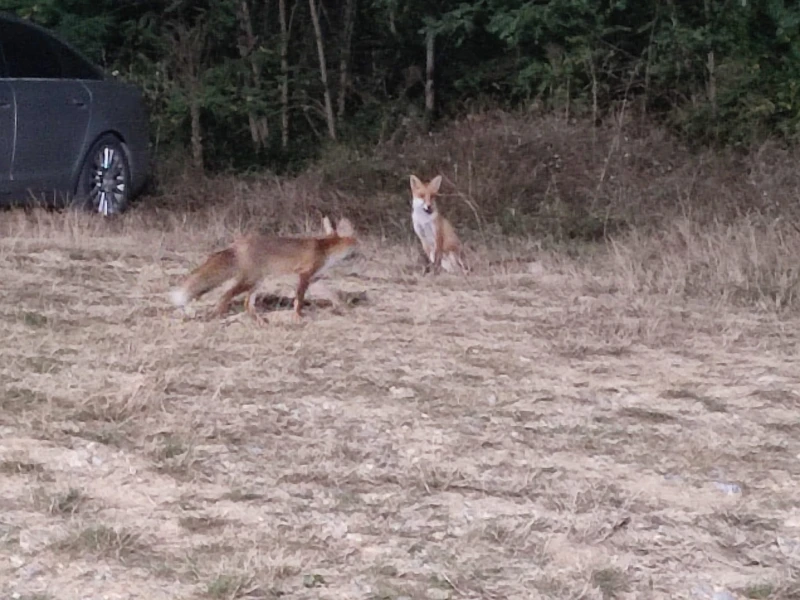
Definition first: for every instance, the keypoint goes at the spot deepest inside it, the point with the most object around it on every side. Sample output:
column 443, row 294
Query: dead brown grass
column 600, row 426
column 593, row 421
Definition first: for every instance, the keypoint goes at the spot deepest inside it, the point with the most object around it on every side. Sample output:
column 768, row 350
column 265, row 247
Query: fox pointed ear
column 344, row 228
column 415, row 183
column 434, row 185
column 326, row 225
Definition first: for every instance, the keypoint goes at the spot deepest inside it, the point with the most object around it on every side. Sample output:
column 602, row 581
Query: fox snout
column 428, row 208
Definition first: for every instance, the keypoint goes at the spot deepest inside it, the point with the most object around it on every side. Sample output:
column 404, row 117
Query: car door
column 6, row 133
column 52, row 112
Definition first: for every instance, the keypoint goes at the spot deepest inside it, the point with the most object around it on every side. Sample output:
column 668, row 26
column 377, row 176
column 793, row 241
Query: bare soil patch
column 550, row 427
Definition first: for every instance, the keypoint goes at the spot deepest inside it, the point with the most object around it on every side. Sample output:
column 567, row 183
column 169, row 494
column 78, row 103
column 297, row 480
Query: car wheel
column 104, row 180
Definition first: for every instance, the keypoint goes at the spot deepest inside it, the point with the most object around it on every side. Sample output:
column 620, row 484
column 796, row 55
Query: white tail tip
column 179, row 297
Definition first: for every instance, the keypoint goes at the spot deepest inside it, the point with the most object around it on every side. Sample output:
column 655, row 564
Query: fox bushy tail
column 219, row 267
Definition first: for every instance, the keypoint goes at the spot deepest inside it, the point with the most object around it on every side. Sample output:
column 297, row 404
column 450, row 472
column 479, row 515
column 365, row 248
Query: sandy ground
column 529, row 431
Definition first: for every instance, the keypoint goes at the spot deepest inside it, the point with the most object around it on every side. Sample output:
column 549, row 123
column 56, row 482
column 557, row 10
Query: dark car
column 69, row 134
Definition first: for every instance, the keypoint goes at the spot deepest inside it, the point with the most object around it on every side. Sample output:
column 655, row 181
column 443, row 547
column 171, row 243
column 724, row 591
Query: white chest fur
column 424, row 224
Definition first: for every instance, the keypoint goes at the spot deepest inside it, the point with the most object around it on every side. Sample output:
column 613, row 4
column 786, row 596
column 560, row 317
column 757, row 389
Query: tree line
column 246, row 83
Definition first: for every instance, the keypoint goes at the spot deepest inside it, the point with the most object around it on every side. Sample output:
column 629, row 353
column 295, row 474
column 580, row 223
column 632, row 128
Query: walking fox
column 253, row 257
column 439, row 240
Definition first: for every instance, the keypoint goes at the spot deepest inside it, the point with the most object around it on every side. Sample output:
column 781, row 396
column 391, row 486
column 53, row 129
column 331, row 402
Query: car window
column 28, row 52
column 73, row 65
column 3, row 74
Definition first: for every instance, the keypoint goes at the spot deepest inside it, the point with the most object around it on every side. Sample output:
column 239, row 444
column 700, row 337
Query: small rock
column 388, row 571
column 339, row 530
column 789, row 546
column 402, row 393
column 76, row 461
column 707, row 592
column 792, row 522
column 32, row 570
column 535, row 268
column 438, row 594
column 313, row 580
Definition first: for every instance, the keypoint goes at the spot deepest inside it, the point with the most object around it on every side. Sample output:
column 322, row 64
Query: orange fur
column 253, row 257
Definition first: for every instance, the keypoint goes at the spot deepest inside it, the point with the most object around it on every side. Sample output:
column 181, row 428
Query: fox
column 440, row 243
column 252, row 257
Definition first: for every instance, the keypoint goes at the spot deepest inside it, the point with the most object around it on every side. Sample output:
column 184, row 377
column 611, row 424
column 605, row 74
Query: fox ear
column 345, row 228
column 433, row 186
column 415, row 183
column 326, row 225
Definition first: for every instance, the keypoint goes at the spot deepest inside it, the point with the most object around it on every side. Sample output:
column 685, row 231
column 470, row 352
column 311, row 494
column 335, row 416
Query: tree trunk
column 344, row 61
column 712, row 83
column 711, row 86
column 429, row 64
column 259, row 126
column 197, row 132
column 284, row 75
column 188, row 48
column 323, row 71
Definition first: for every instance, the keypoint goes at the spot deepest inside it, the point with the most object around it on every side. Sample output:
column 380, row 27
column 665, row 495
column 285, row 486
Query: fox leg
column 299, row 296
column 225, row 302
column 250, row 308
column 427, row 258
column 462, row 262
column 437, row 250
column 454, row 260
column 435, row 266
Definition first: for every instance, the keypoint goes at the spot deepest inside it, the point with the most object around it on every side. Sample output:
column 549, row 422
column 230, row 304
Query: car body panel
column 52, row 125
column 58, row 113
column 8, row 116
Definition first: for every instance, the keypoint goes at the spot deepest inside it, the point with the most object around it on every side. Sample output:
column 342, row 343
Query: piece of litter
column 728, row 488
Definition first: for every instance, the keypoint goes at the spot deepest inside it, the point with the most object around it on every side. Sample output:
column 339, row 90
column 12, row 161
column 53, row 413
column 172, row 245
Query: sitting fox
column 439, row 240
column 253, row 257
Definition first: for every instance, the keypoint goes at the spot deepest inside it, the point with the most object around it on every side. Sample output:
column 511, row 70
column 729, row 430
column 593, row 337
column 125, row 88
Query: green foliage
column 718, row 71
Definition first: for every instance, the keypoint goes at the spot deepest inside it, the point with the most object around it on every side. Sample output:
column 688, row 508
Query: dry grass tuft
column 102, row 542
column 201, row 524
column 748, row 262
column 612, row 582
column 62, row 503
column 15, row 467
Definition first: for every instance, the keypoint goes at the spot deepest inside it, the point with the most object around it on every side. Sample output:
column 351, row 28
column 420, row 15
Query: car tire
column 104, row 181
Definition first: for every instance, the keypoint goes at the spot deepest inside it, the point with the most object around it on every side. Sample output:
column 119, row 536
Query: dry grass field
column 555, row 425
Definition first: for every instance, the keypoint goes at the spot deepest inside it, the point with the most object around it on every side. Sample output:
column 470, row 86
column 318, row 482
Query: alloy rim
column 107, row 184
